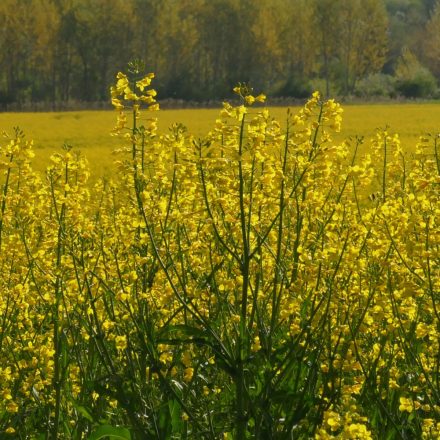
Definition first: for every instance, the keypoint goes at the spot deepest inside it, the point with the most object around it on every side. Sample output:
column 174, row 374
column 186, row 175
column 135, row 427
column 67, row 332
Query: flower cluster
column 261, row 282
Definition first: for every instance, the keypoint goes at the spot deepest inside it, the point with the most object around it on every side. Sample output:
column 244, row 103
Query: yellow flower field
column 256, row 278
column 88, row 131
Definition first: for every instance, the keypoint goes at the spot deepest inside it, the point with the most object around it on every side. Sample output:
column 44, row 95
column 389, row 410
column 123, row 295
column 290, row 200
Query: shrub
column 421, row 84
column 413, row 79
column 376, row 85
column 295, row 87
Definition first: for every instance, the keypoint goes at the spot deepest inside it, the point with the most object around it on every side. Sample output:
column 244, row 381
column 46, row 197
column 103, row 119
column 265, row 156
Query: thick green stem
column 57, row 379
column 4, row 194
column 241, row 401
column 384, row 171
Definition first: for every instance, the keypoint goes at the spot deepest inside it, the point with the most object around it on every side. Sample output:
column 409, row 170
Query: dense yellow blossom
column 261, row 281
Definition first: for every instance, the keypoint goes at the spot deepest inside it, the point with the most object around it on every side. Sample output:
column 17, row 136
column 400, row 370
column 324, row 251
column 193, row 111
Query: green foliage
column 413, row 79
column 110, row 433
column 431, row 43
column 298, row 87
column 376, row 85
column 421, row 84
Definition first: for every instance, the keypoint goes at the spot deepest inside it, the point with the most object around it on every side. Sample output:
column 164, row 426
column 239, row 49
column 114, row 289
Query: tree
column 101, row 44
column 69, row 50
column 46, row 30
column 175, row 49
column 267, row 48
column 413, row 79
column 326, row 26
column 407, row 20
column 363, row 43
column 299, row 40
column 432, row 41
column 225, row 28
column 16, row 48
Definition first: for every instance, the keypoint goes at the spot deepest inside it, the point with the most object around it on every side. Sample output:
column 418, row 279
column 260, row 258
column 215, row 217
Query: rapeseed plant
column 242, row 285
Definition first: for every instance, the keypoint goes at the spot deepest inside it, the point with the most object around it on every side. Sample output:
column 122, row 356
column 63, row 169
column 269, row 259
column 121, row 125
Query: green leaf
column 391, row 434
column 113, row 433
column 183, row 329
column 165, row 426
column 83, row 411
column 176, row 415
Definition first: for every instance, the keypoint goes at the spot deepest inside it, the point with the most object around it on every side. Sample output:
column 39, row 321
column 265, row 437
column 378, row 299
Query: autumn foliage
column 65, row 53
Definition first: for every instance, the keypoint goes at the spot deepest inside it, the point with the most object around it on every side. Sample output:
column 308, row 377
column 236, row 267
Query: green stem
column 5, row 192
column 57, row 379
column 436, row 153
column 384, row 172
column 241, row 401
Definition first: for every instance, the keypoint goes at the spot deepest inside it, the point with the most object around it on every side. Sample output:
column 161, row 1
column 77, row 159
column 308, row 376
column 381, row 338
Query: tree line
column 69, row 50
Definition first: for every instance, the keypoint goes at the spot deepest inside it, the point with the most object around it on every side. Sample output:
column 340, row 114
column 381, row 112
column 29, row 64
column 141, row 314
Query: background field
column 89, row 131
